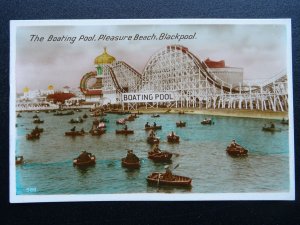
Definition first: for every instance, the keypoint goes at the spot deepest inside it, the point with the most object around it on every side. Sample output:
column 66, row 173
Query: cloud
column 259, row 49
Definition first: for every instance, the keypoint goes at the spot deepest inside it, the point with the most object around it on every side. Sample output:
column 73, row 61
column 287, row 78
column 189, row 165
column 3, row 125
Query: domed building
column 110, row 79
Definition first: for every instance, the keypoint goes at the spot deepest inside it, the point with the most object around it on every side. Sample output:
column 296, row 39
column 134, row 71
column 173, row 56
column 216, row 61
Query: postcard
column 151, row 110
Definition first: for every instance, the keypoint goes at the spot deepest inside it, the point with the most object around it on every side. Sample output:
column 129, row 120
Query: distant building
column 230, row 75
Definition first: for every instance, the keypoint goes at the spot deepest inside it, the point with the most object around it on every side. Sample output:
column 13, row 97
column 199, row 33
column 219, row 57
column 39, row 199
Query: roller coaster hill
column 175, row 69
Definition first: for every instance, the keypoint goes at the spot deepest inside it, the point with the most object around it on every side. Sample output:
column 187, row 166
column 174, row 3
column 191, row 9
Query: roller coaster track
column 115, row 81
column 131, row 69
column 84, row 80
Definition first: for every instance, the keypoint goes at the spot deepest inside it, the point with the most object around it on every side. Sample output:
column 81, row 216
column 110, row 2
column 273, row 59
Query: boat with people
column 35, row 116
column 125, row 132
column 73, row 132
column 168, row 179
column 38, row 121
column 84, row 159
column 271, row 128
column 19, row 115
column 284, row 122
column 85, row 116
column 33, row 135
column 77, row 120
column 101, row 125
column 152, row 140
column 131, row 161
column 180, row 124
column 130, row 118
column 234, row 149
column 37, row 129
column 121, row 121
column 97, row 132
column 153, row 127
column 19, row 160
column 159, row 156
column 155, row 115
column 207, row 121
column 163, row 156
column 173, row 138
column 134, row 115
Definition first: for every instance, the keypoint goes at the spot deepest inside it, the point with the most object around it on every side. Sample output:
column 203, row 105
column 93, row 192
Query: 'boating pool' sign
column 148, row 97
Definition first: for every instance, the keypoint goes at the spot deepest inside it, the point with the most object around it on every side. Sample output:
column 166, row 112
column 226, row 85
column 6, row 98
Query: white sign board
column 148, row 97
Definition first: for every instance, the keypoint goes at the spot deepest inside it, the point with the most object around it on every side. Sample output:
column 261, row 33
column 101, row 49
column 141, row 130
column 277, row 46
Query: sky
column 259, row 49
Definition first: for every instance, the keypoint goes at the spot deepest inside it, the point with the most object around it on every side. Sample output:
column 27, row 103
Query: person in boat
column 233, row 144
column 82, row 130
column 125, row 127
column 168, row 174
column 84, row 156
column 272, row 125
column 154, row 124
column 151, row 134
column 156, row 149
column 131, row 157
column 73, row 129
column 36, row 129
column 147, row 124
column 172, row 134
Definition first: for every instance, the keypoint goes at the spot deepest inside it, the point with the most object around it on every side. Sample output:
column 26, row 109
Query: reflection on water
column 200, row 155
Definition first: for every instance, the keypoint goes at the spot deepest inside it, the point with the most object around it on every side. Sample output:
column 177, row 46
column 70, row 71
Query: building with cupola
column 110, row 79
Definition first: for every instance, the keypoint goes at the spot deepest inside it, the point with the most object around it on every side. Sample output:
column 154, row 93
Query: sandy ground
column 219, row 112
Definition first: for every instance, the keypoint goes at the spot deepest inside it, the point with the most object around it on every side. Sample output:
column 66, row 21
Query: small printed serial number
column 31, row 189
